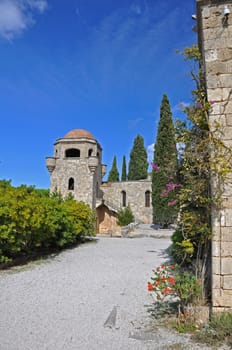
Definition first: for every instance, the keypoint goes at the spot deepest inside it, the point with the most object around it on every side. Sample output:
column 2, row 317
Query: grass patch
column 217, row 331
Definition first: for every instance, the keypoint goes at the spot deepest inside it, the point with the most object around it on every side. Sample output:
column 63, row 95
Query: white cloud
column 17, row 15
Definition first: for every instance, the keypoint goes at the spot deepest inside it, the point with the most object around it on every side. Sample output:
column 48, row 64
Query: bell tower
column 76, row 167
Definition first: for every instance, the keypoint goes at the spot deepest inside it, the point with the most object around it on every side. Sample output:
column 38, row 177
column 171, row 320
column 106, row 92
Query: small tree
column 125, row 216
column 138, row 160
column 113, row 174
column 124, row 174
column 164, row 174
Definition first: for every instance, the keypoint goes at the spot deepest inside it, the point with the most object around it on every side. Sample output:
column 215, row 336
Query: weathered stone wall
column 215, row 39
column 135, row 197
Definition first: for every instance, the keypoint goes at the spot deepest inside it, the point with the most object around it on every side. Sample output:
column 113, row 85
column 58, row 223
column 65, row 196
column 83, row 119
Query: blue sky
column 99, row 65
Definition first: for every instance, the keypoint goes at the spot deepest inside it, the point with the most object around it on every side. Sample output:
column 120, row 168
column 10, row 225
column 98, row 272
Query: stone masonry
column 214, row 21
column 77, row 168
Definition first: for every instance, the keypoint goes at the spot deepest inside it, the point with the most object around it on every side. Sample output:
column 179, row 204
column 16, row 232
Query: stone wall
column 135, row 197
column 215, row 39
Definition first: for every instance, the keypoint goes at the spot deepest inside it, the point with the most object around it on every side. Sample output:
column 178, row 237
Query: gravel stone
column 91, row 297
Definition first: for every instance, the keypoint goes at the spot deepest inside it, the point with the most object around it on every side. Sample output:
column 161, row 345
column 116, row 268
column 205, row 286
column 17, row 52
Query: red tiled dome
column 79, row 134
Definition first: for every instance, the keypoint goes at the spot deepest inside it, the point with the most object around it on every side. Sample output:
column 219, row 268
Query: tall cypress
column 164, row 173
column 138, row 163
column 124, row 174
column 113, row 174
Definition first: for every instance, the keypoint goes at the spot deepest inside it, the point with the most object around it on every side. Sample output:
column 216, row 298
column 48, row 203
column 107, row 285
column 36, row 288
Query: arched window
column 90, row 152
column 72, row 152
column 71, row 184
column 123, row 198
column 147, row 199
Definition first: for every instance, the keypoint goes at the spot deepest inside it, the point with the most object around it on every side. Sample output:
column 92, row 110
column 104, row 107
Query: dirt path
column 91, row 297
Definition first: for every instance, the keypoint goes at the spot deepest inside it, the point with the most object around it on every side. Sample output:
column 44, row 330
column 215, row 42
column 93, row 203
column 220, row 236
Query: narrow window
column 147, row 199
column 90, row 152
column 72, row 152
column 123, row 198
column 71, row 184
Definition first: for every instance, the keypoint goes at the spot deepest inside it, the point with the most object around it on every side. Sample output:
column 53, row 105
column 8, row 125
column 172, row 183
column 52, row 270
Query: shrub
column 30, row 220
column 125, row 216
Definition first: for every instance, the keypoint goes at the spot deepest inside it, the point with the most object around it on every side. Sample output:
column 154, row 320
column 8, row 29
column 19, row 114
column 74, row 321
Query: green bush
column 125, row 216
column 31, row 220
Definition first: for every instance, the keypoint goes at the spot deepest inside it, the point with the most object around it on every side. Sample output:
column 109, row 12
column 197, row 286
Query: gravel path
column 91, row 297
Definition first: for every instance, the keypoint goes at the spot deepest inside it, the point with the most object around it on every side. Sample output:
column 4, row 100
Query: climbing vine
column 205, row 163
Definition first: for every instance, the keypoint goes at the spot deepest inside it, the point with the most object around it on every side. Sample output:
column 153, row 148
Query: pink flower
column 170, row 186
column 155, row 167
column 211, row 102
column 164, row 193
column 172, row 203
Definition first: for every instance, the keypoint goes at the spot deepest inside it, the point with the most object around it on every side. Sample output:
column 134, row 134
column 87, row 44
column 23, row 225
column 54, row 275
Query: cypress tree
column 124, row 174
column 138, row 160
column 164, row 173
column 113, row 174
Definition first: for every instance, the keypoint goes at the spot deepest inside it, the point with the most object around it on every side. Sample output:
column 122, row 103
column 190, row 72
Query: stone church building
column 77, row 168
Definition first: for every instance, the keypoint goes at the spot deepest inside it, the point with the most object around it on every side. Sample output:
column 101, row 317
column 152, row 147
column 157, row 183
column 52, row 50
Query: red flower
column 171, row 280
column 150, row 287
column 166, row 290
column 172, row 267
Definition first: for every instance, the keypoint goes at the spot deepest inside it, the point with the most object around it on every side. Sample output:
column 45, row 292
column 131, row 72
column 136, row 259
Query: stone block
column 215, row 119
column 216, row 281
column 213, row 82
column 228, row 213
column 227, row 202
column 217, row 67
column 225, row 54
column 226, row 133
column 221, row 298
column 227, row 106
column 216, row 267
column 226, row 266
column 219, row 94
column 226, row 250
column 225, row 80
column 216, row 108
column 228, row 190
column 226, row 234
column 229, row 120
column 227, row 282
column 216, row 248
column 211, row 55
column 216, row 233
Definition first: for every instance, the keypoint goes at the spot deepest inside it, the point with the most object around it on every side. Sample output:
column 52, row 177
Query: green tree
column 138, row 163
column 165, row 166
column 113, row 174
column 124, row 174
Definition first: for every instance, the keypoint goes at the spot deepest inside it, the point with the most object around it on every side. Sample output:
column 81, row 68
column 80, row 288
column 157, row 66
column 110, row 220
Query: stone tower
column 76, row 167
column 214, row 22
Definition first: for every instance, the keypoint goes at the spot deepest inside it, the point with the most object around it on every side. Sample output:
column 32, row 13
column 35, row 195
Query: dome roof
column 79, row 134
